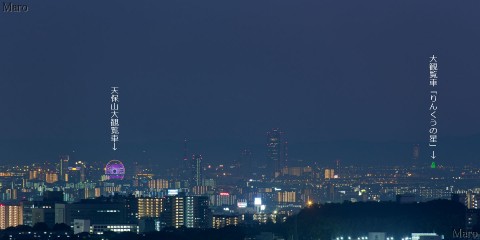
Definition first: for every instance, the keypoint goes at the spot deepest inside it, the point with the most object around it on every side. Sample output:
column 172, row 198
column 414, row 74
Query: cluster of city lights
column 366, row 238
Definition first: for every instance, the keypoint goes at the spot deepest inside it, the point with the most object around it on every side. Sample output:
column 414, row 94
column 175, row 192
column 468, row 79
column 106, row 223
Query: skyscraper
column 63, row 167
column 185, row 154
column 77, row 173
column 277, row 150
column 186, row 166
column 197, row 170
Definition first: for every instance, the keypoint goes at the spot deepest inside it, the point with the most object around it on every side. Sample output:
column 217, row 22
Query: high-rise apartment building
column 197, row 170
column 10, row 216
column 329, row 173
column 286, row 197
column 158, row 184
column 149, row 207
column 188, row 211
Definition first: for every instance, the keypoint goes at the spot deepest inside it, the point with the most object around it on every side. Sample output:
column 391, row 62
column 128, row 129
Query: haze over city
column 347, row 76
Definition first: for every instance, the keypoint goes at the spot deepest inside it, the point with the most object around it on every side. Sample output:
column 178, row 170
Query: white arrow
column 433, row 155
column 114, row 148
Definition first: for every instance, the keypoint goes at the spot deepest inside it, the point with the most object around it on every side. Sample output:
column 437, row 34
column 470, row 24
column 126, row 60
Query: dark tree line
column 357, row 219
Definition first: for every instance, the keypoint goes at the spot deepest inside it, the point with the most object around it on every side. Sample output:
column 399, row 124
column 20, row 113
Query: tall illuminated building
column 185, row 167
column 158, row 184
column 185, row 153
column 11, row 194
column 286, row 197
column 51, row 177
column 472, row 200
column 329, row 173
column 188, row 211
column 150, row 207
column 33, row 174
column 197, row 170
column 173, row 212
column 82, row 167
column 10, row 216
column 277, row 151
column 63, row 167
column 77, row 173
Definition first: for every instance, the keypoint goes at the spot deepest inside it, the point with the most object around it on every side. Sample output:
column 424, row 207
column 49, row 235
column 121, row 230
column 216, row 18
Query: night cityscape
column 251, row 120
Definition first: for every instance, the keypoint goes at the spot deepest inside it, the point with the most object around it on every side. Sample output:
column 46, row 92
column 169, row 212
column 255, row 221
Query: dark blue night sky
column 344, row 79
